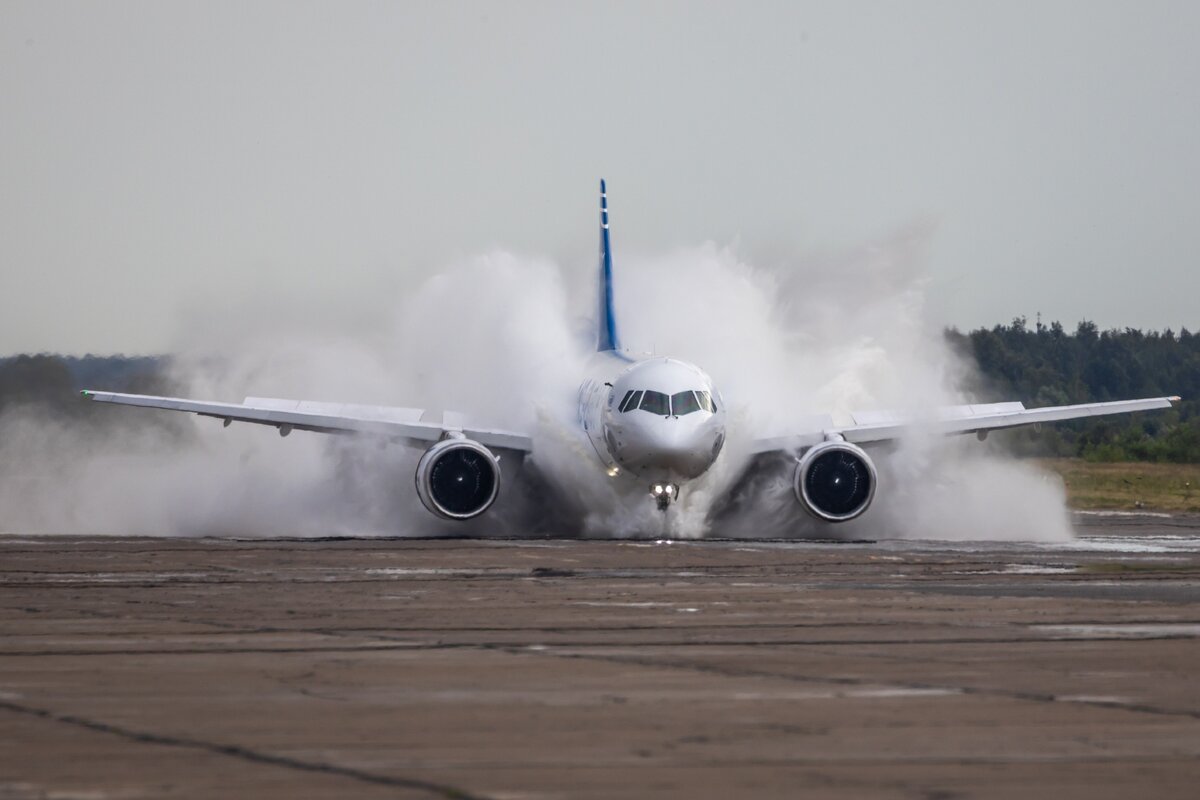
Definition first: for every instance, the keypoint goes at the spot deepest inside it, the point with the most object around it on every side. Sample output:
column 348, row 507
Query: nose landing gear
column 663, row 494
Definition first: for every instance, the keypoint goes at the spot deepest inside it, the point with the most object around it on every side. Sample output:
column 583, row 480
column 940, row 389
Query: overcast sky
column 162, row 156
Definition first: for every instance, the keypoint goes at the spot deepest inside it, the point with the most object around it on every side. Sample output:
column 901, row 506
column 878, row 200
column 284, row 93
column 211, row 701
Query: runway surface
column 160, row 668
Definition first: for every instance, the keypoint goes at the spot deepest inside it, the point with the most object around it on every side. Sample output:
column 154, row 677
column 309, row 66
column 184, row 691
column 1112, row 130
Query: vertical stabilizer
column 606, row 321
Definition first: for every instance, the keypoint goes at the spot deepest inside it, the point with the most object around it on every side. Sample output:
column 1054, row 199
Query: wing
column 881, row 426
column 304, row 415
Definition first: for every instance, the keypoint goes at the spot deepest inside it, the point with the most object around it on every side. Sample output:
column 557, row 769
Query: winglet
column 606, row 320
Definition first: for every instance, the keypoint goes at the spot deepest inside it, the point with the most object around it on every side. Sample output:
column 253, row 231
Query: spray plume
column 504, row 339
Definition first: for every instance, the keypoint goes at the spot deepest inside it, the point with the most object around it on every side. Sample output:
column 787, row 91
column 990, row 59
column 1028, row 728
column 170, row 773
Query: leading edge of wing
column 305, row 415
column 996, row 420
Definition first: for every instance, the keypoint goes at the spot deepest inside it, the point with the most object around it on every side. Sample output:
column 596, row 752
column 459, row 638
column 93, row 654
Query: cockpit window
column 663, row 405
column 684, row 403
column 656, row 403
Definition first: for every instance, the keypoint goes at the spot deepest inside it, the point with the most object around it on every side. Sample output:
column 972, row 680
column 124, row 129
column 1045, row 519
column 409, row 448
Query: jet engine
column 835, row 481
column 458, row 479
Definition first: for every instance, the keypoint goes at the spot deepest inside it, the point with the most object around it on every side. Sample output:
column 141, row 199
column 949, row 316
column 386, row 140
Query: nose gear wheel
column 664, row 494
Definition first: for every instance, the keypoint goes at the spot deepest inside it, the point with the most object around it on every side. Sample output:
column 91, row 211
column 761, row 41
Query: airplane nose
column 685, row 452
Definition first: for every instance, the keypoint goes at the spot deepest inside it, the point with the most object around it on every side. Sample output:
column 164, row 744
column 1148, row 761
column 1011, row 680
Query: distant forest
column 1047, row 366
column 52, row 382
column 1041, row 366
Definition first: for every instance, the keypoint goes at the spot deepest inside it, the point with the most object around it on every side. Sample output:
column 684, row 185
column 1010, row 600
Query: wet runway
column 158, row 668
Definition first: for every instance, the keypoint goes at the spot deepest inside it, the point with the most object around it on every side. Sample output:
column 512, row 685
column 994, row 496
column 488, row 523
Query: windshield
column 656, row 403
column 678, row 404
column 684, row 403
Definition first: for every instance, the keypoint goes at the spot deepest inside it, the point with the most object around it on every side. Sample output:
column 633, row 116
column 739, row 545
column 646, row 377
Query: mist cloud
column 505, row 338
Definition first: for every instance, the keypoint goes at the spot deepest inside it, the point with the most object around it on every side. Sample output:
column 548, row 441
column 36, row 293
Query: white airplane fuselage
column 660, row 419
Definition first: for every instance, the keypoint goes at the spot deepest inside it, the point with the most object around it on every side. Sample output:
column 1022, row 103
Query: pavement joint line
column 226, row 629
column 713, row 669
column 416, row 646
column 910, row 583
column 243, row 753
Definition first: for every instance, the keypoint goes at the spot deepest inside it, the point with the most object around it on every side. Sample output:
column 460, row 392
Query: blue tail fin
column 606, row 321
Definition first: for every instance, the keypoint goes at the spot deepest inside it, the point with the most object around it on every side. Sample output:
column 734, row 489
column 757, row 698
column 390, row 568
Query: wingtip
column 1175, row 398
column 603, row 186
column 85, row 392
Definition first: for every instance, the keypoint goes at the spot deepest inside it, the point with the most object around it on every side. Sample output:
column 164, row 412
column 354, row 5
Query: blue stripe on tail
column 606, row 322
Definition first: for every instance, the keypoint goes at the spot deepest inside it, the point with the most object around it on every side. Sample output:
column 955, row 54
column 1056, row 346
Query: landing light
column 614, row 472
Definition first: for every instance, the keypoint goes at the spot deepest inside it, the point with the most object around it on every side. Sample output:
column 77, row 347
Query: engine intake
column 835, row 481
column 458, row 479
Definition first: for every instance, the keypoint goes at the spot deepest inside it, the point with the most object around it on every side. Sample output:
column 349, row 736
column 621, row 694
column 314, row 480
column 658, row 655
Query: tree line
column 1045, row 365
column 45, row 387
column 47, row 382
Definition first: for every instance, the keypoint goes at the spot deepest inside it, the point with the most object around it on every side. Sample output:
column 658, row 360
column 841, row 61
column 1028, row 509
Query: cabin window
column 656, row 403
column 684, row 403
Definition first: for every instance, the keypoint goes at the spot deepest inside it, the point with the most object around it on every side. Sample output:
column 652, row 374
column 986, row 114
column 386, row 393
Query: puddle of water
column 901, row 691
column 1090, row 698
column 1035, row 569
column 619, row 605
column 810, row 695
column 1013, row 569
column 1157, row 514
column 1131, row 544
column 1132, row 630
column 417, row 571
column 117, row 577
column 864, row 694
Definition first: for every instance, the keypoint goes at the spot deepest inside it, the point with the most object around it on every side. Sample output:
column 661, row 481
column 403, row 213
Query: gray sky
column 158, row 157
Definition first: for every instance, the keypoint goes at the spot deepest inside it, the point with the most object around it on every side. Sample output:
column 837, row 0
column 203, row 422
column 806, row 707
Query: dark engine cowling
column 835, row 481
column 458, row 479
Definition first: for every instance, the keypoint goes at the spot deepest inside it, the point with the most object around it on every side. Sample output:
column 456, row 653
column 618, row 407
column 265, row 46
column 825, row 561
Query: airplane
column 647, row 418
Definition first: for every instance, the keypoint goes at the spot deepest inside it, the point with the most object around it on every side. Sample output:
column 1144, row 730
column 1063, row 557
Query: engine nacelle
column 458, row 479
column 835, row 481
